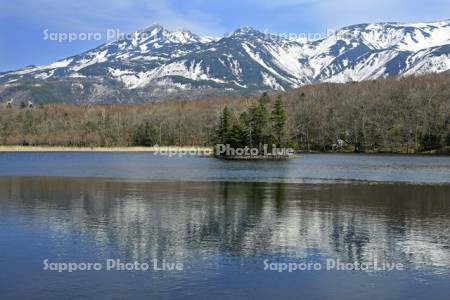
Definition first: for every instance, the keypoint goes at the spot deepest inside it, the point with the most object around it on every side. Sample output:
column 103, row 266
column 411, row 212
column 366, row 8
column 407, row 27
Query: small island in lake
column 255, row 133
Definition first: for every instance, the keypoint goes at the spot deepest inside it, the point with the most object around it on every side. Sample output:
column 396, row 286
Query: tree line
column 407, row 114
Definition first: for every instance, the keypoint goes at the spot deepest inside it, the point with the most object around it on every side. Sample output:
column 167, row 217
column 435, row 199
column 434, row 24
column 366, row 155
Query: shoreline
column 184, row 149
column 102, row 149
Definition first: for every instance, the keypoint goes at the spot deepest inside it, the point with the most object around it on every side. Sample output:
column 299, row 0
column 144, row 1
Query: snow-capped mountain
column 155, row 63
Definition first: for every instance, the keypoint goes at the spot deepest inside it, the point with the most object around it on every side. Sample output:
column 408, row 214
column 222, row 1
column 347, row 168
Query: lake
column 233, row 226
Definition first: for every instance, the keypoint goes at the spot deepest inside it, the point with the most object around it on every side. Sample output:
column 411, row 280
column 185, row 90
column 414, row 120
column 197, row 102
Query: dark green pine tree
column 278, row 119
column 224, row 126
column 237, row 137
column 247, row 133
column 259, row 123
column 264, row 99
column 144, row 135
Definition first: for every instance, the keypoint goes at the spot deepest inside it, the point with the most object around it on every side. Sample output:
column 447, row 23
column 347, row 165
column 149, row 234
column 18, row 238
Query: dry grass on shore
column 100, row 149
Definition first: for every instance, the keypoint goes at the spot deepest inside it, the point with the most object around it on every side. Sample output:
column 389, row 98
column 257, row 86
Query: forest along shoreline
column 406, row 115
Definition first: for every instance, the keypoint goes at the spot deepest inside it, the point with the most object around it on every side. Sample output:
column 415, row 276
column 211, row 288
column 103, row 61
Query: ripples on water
column 309, row 168
column 222, row 232
column 222, row 219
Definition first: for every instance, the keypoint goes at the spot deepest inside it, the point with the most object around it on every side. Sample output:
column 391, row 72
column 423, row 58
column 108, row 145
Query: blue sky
column 22, row 22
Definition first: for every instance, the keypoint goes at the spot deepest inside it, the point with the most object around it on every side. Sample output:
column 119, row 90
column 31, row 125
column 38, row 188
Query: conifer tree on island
column 256, row 128
column 279, row 129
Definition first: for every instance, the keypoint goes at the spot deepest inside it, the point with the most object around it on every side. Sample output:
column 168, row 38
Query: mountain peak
column 156, row 61
column 154, row 28
column 245, row 31
column 157, row 33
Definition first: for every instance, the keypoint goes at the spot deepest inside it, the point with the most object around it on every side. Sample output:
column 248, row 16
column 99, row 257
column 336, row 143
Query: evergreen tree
column 264, row 99
column 247, row 138
column 278, row 118
column 224, row 126
column 259, row 123
column 237, row 137
column 144, row 135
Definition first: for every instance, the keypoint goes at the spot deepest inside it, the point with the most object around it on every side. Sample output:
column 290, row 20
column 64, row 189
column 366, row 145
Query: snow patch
column 271, row 82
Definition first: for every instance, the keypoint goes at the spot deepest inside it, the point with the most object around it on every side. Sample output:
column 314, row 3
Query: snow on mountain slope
column 402, row 37
column 433, row 60
column 154, row 61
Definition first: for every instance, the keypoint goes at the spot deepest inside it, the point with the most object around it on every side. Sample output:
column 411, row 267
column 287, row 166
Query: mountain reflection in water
column 193, row 220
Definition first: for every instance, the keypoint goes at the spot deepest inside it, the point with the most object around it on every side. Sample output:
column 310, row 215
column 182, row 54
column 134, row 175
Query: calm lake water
column 224, row 221
column 309, row 168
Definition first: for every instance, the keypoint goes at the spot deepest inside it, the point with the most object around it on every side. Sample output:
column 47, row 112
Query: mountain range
column 155, row 63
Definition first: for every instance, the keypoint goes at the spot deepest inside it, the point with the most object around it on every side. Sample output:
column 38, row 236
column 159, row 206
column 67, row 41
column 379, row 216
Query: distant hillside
column 409, row 114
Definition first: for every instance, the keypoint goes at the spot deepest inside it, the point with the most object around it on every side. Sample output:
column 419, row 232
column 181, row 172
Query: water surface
column 305, row 168
column 222, row 220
